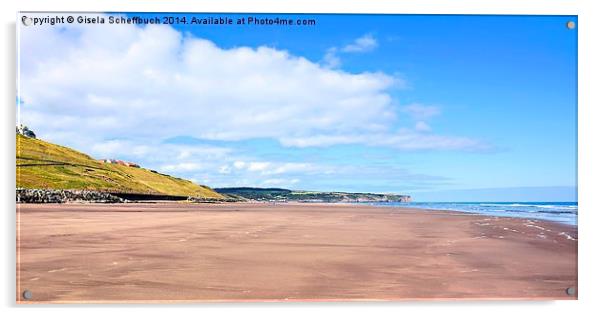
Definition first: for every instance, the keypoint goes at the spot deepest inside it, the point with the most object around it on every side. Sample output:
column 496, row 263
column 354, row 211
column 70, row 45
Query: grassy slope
column 44, row 165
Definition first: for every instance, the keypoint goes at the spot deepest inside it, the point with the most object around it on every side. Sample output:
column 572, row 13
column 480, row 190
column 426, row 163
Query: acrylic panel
column 197, row 157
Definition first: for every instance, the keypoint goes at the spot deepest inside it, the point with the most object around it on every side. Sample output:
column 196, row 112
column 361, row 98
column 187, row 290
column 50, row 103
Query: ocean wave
column 561, row 212
column 544, row 206
column 509, row 205
column 557, row 212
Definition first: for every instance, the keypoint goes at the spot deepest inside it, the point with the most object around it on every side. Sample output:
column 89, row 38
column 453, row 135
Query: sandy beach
column 216, row 252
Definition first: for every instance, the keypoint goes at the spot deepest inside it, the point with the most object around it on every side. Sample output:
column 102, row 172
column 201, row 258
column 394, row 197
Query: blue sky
column 379, row 103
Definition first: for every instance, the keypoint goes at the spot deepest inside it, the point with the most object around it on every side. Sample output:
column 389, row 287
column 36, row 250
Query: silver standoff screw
column 26, row 20
column 570, row 291
column 570, row 25
column 27, row 294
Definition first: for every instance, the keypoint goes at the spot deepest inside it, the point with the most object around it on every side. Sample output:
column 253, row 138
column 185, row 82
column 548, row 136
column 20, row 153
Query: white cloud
column 280, row 182
column 421, row 112
column 331, row 60
column 403, row 139
column 274, row 167
column 422, row 126
column 258, row 166
column 183, row 166
column 239, row 164
column 295, row 167
column 225, row 169
column 154, row 81
column 108, row 148
column 362, row 44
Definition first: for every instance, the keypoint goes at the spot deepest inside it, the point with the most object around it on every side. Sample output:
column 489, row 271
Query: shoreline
column 286, row 252
column 295, row 203
column 487, row 215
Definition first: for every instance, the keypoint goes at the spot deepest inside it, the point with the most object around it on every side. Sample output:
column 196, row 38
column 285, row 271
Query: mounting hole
column 570, row 291
column 27, row 294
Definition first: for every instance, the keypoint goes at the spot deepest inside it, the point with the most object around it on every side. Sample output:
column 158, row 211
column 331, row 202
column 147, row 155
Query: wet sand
column 216, row 252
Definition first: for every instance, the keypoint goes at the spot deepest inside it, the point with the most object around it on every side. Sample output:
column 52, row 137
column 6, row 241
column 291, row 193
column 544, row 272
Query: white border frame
column 589, row 172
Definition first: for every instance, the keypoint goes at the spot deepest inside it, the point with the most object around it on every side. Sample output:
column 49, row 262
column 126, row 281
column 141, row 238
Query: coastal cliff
column 285, row 195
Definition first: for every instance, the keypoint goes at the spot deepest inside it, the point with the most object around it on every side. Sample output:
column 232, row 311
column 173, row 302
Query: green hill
column 43, row 165
column 277, row 194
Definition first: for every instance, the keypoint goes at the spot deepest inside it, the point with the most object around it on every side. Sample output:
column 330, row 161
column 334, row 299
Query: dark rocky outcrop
column 65, row 196
column 193, row 199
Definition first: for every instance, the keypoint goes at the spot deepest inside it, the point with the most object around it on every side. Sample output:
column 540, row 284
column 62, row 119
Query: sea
column 561, row 212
